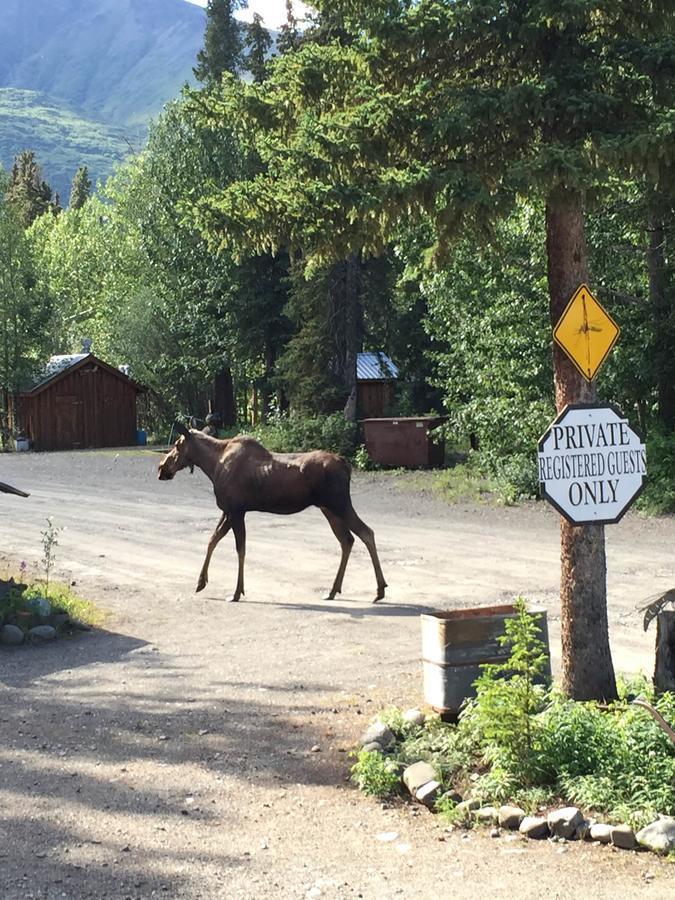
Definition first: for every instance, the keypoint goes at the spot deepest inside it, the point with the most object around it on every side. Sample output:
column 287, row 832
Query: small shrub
column 375, row 774
column 296, row 434
column 362, row 459
column 502, row 716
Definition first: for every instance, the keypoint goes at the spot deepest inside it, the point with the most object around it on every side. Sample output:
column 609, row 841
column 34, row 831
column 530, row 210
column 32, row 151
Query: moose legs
column 236, row 523
column 240, row 540
column 346, row 539
column 221, row 530
column 343, row 527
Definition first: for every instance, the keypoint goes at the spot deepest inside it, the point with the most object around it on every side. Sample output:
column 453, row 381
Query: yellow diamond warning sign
column 586, row 332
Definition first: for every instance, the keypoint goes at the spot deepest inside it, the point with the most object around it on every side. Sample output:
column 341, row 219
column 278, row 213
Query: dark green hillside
column 115, row 61
column 61, row 139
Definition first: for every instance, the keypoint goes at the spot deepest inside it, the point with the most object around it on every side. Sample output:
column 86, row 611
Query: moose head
column 178, row 457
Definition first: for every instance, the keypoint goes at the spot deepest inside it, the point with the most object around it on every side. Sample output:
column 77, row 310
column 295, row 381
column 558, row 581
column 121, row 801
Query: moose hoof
column 201, row 584
column 379, row 595
column 330, row 595
column 233, row 598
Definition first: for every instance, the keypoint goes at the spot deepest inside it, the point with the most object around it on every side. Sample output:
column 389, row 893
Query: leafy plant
column 509, row 695
column 375, row 774
column 50, row 541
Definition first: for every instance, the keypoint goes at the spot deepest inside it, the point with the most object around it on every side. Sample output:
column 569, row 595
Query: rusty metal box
column 404, row 441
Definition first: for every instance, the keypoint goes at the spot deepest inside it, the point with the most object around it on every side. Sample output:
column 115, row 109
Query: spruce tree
column 30, row 195
column 222, row 51
column 81, row 188
column 289, row 33
column 257, row 45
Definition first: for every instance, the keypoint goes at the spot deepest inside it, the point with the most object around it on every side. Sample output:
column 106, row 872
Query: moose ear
column 181, row 429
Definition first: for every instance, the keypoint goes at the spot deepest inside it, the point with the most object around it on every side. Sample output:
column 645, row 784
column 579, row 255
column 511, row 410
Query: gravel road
column 171, row 753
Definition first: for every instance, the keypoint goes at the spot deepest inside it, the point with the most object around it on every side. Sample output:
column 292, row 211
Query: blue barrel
column 141, row 437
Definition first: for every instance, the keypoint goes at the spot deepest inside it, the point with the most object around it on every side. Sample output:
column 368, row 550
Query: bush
column 376, row 774
column 296, row 434
column 521, row 742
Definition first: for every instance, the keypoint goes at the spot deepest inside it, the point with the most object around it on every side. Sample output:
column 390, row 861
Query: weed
column 375, row 774
column 50, row 541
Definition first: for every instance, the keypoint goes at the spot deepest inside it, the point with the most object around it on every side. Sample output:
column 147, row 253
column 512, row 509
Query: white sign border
column 572, row 407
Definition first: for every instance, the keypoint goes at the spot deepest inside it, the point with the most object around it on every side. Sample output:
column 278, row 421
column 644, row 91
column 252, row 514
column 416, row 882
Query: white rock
column 601, row 833
column 659, row 836
column 511, row 816
column 414, row 717
column 534, row 827
column 379, row 733
column 417, row 775
column 563, row 823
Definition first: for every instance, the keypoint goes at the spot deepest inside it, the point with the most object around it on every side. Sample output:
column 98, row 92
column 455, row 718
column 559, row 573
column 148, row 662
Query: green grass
column 458, row 484
column 61, row 598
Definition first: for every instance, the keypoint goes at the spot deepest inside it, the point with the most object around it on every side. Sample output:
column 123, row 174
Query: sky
column 272, row 11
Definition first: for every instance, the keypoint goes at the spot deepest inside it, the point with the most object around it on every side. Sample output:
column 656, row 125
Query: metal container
column 456, row 644
column 404, row 441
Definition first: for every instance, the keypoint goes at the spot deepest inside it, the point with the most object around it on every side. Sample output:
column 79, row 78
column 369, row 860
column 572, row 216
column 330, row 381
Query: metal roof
column 375, row 367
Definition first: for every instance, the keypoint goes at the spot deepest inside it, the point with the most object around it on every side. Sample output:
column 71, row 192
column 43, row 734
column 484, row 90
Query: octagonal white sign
column 592, row 464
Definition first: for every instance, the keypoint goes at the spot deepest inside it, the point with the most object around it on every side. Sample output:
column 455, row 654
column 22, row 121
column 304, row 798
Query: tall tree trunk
column 663, row 316
column 224, row 399
column 588, row 673
column 346, row 317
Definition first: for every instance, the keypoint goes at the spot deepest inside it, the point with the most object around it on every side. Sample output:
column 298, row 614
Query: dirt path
column 172, row 755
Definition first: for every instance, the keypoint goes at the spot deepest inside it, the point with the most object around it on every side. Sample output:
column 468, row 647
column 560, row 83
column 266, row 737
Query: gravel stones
column 11, row 635
column 659, row 836
column 378, row 733
column 535, row 827
column 563, row 823
column 511, row 817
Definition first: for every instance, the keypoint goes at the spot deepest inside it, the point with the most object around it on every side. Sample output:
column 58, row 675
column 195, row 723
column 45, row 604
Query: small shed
column 376, row 377
column 81, row 402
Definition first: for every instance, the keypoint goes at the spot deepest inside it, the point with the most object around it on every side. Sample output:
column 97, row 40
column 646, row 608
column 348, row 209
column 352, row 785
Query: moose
column 248, row 478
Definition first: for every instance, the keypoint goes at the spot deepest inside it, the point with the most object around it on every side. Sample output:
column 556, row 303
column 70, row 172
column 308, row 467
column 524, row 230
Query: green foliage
column 522, row 743
column 502, row 716
column 50, row 541
column 295, row 434
column 257, row 44
column 362, row 459
column 659, row 496
column 375, row 774
column 81, row 188
column 222, row 50
column 28, row 193
column 61, row 138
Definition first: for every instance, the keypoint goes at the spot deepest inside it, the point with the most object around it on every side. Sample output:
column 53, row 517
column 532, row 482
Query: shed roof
column 59, row 366
column 375, row 367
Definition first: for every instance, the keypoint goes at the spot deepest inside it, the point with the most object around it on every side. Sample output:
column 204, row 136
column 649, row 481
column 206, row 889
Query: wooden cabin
column 81, row 402
column 376, row 377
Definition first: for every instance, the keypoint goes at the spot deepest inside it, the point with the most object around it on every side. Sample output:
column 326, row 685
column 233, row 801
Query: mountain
column 61, row 139
column 85, row 74
column 116, row 61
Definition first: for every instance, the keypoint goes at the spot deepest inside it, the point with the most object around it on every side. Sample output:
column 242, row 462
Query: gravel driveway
column 172, row 753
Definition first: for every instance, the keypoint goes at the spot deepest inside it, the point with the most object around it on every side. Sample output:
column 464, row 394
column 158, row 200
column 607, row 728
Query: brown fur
column 246, row 477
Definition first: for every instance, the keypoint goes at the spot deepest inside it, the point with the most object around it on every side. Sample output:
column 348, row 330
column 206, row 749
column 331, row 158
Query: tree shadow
column 21, row 666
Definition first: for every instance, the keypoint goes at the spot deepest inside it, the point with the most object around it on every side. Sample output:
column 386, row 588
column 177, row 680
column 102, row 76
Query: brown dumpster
column 404, row 441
